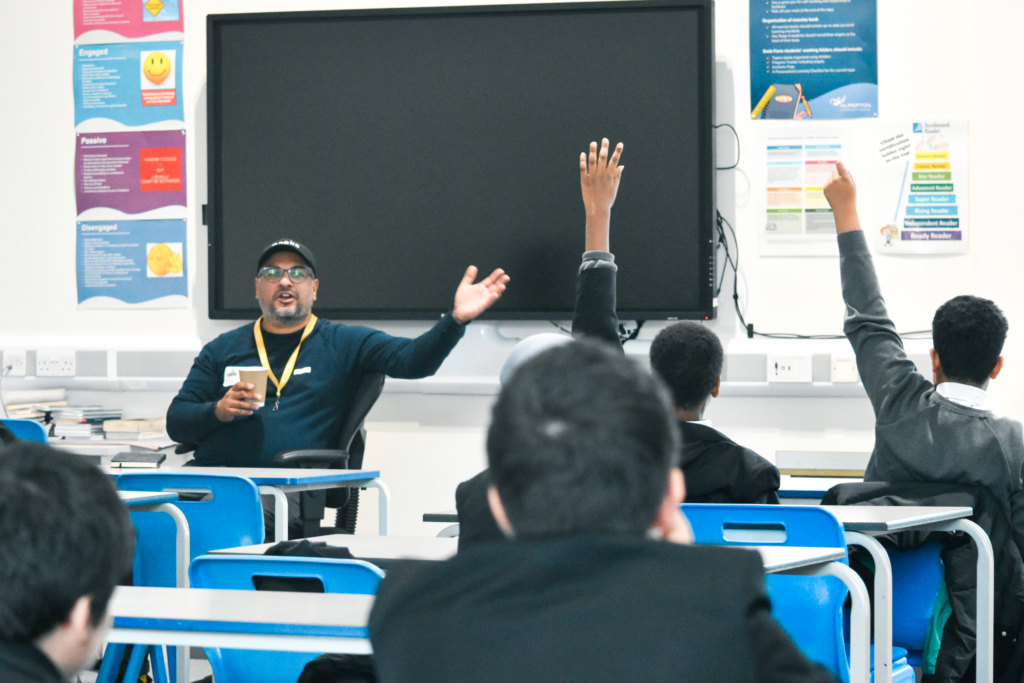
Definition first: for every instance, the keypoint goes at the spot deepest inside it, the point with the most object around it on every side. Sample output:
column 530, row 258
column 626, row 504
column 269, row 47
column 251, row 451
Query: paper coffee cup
column 258, row 378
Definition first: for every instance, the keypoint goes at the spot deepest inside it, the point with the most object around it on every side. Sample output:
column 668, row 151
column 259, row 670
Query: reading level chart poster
column 813, row 59
column 134, row 174
column 922, row 187
column 795, row 163
column 120, row 85
column 111, row 21
column 131, row 264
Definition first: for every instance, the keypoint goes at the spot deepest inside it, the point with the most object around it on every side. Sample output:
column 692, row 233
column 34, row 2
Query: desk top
column 266, row 476
column 893, row 517
column 236, row 611
column 371, row 548
column 133, row 498
column 780, row 558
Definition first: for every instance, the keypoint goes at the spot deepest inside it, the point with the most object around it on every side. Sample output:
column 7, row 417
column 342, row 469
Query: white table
column 163, row 501
column 277, row 482
column 808, row 490
column 372, row 548
column 304, row 622
column 253, row 620
column 862, row 521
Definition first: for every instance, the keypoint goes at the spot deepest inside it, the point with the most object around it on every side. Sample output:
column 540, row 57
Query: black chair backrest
column 370, row 387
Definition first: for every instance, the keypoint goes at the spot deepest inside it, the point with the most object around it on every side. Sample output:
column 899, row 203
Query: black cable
column 727, row 168
column 569, row 332
column 735, row 263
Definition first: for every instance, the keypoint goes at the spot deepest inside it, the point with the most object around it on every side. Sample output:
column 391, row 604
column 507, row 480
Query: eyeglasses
column 274, row 274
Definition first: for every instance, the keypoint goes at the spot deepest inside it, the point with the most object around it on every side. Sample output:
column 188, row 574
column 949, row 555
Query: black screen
column 403, row 145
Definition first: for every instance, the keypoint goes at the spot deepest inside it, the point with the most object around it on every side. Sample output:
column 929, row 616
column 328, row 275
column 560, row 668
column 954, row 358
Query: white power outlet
column 844, row 369
column 55, row 363
column 789, row 369
column 13, row 364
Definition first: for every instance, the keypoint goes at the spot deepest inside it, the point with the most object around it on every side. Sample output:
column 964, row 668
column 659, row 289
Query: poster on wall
column 131, row 264
column 922, row 187
column 113, row 21
column 128, row 85
column 794, row 164
column 132, row 174
column 813, row 60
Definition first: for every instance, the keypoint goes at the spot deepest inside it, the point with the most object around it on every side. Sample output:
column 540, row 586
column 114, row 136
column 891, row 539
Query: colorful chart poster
column 132, row 264
column 112, row 21
column 130, row 175
column 922, row 187
column 811, row 59
column 128, row 85
column 795, row 163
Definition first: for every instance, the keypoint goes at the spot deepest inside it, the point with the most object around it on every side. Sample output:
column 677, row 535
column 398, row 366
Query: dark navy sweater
column 315, row 401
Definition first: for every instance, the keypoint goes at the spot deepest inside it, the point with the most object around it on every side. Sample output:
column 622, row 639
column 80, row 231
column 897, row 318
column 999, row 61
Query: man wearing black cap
column 315, row 365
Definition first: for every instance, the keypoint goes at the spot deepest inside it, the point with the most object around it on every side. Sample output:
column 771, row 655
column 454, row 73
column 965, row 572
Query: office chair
column 26, row 430
column 348, row 455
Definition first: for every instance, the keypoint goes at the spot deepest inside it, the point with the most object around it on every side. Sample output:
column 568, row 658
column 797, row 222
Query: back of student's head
column 688, row 356
column 64, row 534
column 582, row 439
column 968, row 333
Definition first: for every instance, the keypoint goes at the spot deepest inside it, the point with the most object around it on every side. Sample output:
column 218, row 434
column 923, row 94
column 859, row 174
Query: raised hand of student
column 472, row 299
column 599, row 180
column 841, row 193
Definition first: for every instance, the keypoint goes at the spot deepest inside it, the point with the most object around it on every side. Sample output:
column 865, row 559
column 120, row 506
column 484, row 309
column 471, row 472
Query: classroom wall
column 937, row 59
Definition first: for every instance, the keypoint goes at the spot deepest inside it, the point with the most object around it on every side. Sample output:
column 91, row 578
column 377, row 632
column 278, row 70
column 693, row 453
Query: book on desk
column 138, row 460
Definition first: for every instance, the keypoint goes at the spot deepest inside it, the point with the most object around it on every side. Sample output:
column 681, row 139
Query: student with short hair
column 599, row 582
column 689, row 357
column 938, row 431
column 66, row 539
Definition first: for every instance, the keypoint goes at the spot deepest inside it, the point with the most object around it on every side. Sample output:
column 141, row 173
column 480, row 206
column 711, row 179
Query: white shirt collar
column 706, row 422
column 964, row 394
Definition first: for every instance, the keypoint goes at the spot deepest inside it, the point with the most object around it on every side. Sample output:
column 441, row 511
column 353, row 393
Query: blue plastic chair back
column 810, row 608
column 916, row 577
column 26, row 430
column 238, row 572
column 231, row 517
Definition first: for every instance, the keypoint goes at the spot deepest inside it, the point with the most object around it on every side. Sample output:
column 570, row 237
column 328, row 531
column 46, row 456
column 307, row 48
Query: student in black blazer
column 600, row 582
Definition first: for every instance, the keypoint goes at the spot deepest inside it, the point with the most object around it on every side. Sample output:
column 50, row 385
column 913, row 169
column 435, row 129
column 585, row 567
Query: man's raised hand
column 841, row 192
column 473, row 299
column 599, row 177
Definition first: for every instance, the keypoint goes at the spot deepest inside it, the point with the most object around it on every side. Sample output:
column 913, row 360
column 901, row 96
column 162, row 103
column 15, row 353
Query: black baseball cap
column 286, row 245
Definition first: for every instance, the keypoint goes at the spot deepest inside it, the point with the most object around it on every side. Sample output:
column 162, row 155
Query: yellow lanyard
column 291, row 361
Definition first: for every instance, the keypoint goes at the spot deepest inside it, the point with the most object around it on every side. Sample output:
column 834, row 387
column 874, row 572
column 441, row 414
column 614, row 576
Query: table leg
column 986, row 592
column 883, row 603
column 860, row 627
column 385, row 505
column 184, row 544
column 280, row 512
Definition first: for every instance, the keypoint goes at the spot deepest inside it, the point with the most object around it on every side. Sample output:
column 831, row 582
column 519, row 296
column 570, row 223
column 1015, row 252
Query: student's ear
column 936, row 365
column 670, row 523
column 997, row 369
column 718, row 387
column 498, row 510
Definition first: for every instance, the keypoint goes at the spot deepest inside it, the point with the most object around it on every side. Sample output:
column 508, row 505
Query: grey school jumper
column 919, row 435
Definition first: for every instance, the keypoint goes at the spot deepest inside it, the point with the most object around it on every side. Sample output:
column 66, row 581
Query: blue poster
column 131, row 264
column 121, row 85
column 810, row 59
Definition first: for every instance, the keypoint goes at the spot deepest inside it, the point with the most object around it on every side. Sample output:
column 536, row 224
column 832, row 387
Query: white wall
column 937, row 59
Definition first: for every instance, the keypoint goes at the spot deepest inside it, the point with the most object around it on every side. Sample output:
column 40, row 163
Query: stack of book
column 82, row 422
column 135, row 430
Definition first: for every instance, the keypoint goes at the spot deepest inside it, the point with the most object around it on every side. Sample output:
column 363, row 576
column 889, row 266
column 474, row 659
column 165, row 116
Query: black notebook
column 138, row 459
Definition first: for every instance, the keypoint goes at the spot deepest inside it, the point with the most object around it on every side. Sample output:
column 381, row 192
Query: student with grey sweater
column 940, row 431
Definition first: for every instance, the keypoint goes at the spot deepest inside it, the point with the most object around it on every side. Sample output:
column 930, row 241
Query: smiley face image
column 156, row 67
column 164, row 261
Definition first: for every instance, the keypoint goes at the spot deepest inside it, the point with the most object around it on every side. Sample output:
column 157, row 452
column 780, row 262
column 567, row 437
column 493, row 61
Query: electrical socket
column 844, row 369
column 55, row 363
column 16, row 361
column 789, row 369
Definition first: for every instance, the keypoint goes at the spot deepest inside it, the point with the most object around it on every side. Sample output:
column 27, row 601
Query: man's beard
column 285, row 319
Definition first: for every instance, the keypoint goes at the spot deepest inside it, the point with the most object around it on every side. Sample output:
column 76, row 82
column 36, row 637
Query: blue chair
column 227, row 514
column 810, row 608
column 917, row 579
column 240, row 572
column 26, row 430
